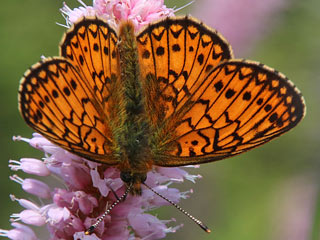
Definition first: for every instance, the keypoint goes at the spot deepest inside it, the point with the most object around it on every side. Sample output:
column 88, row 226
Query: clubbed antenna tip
column 205, row 228
column 89, row 230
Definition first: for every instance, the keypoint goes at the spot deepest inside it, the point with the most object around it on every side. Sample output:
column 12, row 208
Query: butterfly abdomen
column 129, row 123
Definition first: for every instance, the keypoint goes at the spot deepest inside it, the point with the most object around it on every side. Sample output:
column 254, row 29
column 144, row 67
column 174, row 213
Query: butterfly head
column 134, row 180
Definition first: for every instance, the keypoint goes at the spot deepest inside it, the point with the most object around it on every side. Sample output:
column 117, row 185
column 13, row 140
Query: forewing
column 56, row 102
column 239, row 106
column 175, row 56
column 90, row 46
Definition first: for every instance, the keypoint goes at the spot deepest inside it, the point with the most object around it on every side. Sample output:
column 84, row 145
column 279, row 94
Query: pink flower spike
column 171, row 193
column 147, row 226
column 177, row 174
column 82, row 236
column 76, row 175
column 57, row 214
column 72, row 16
column 85, row 201
column 140, row 12
column 99, row 183
column 25, row 203
column 111, row 180
column 33, row 186
column 29, row 217
column 19, row 138
column 39, row 142
column 30, row 165
column 19, row 232
column 192, row 166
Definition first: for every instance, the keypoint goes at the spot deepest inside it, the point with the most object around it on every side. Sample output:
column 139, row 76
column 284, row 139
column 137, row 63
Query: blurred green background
column 269, row 193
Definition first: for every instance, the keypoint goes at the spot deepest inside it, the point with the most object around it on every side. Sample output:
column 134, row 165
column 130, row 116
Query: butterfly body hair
column 129, row 123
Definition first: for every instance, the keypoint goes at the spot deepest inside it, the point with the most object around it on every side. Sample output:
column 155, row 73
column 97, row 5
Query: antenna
column 197, row 221
column 91, row 229
column 93, row 226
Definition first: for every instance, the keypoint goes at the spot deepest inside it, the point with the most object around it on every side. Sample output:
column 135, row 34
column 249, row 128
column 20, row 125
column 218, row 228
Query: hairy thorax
column 128, row 120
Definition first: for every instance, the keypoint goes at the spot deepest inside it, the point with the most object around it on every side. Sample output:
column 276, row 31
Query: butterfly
column 169, row 95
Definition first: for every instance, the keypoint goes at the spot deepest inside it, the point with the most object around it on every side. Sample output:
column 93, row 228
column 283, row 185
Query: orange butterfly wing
column 175, row 55
column 239, row 106
column 202, row 106
column 210, row 113
column 65, row 99
column 90, row 46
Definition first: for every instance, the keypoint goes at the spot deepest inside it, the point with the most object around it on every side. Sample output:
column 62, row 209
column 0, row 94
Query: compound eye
column 126, row 177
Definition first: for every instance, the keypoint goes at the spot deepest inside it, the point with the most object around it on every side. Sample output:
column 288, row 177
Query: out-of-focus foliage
column 253, row 196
